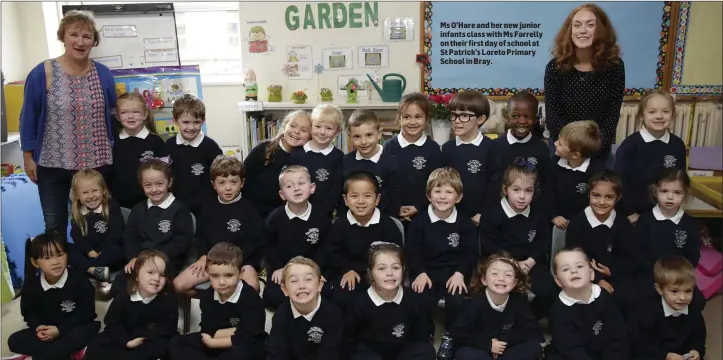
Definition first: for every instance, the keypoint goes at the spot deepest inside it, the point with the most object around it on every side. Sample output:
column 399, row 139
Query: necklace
column 582, row 78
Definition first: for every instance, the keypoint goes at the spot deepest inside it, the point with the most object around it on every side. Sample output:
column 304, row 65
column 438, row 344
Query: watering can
column 391, row 90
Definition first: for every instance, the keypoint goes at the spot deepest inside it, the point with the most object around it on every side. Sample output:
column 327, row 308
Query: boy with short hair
column 226, row 217
column 295, row 229
column 672, row 329
column 192, row 153
column 232, row 314
column 369, row 156
column 470, row 152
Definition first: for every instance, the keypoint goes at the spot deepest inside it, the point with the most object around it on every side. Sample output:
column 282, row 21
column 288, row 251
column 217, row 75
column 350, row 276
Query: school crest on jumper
column 322, row 175
column 233, row 321
column 197, row 169
column 581, row 188
column 233, row 225
column 379, row 181
column 532, row 160
column 315, row 334
column 453, row 240
column 419, row 162
column 312, row 236
column 507, row 327
column 531, row 235
column 100, row 227
column 669, row 161
column 610, row 248
column 398, row 330
column 597, row 328
column 473, row 166
column 67, row 306
column 681, row 238
column 146, row 155
column 164, row 226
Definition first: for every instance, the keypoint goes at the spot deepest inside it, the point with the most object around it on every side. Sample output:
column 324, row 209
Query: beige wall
column 704, row 45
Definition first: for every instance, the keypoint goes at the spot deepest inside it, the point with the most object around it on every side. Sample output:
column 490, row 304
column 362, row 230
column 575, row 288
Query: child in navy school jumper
column 268, row 158
column 192, row 153
column 388, row 322
column 470, row 152
column 417, row 155
column 58, row 305
column 608, row 240
column 141, row 321
column 136, row 141
column 370, row 157
column 295, row 229
column 642, row 155
column 670, row 327
column 96, row 227
column 442, row 249
column 307, row 326
column 232, row 314
column 585, row 321
column 498, row 322
column 226, row 216
column 322, row 158
column 352, row 233
column 160, row 223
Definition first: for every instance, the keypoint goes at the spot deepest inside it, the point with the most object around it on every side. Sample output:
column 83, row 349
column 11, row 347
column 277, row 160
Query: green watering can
column 391, row 90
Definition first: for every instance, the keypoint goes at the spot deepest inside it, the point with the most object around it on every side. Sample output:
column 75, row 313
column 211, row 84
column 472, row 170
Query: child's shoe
column 446, row 351
column 79, row 355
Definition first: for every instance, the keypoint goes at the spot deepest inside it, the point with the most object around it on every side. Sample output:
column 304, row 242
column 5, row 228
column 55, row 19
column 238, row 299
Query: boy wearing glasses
column 469, row 152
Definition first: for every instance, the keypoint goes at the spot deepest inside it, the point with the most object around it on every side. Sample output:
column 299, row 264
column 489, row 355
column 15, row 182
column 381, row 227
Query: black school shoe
column 446, row 348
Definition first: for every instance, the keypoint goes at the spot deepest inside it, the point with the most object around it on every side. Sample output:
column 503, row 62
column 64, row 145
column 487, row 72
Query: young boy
column 321, row 158
column 319, row 334
column 671, row 329
column 295, row 229
column 369, row 156
column 470, row 152
column 232, row 314
column 226, row 217
column 353, row 232
column 192, row 153
column 442, row 250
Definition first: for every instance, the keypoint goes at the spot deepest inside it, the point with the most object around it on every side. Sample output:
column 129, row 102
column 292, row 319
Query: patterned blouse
column 75, row 135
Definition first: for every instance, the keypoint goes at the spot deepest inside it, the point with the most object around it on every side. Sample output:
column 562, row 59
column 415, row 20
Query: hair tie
column 522, row 163
column 165, row 159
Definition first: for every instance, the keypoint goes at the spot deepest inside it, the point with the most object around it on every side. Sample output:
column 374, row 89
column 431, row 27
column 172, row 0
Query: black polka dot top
column 578, row 95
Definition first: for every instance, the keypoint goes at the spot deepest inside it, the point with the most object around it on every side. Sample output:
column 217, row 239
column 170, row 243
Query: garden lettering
column 333, row 15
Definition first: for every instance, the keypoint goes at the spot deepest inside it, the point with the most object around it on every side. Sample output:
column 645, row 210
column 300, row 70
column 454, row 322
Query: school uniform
column 592, row 331
column 191, row 164
column 243, row 310
column 388, row 330
column 68, row 305
column 639, row 160
column 262, row 181
column 325, row 169
column 290, row 235
column 474, row 161
column 524, row 235
column 440, row 248
column 132, row 316
column 129, row 151
column 383, row 166
column 315, row 336
column 104, row 236
column 512, row 322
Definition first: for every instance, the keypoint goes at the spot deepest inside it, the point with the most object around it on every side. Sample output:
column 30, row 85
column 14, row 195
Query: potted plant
column 440, row 117
column 299, row 97
column 275, row 93
column 326, row 94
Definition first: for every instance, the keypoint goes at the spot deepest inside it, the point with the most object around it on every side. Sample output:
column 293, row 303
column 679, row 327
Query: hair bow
column 522, row 163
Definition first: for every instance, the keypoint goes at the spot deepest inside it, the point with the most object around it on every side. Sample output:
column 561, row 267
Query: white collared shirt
column 377, row 300
column 660, row 217
column 308, row 316
column 165, row 204
column 495, row 307
column 510, row 212
column 58, row 285
column 669, row 311
column 194, row 143
column 325, row 151
column 304, row 216
column 374, row 220
column 582, row 168
column 648, row 137
column 594, row 222
column 570, row 301
column 375, row 158
column 451, row 219
column 478, row 140
column 404, row 143
column 233, row 298
column 235, row 200
column 84, row 210
column 512, row 139
column 138, row 297
column 141, row 134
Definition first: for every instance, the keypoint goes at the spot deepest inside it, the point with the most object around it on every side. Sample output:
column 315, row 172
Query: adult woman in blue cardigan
column 65, row 122
column 586, row 78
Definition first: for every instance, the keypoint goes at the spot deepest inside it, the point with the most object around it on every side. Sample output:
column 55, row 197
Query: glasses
column 463, row 117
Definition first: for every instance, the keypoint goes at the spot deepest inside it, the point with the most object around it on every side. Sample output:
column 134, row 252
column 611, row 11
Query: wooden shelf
column 271, row 106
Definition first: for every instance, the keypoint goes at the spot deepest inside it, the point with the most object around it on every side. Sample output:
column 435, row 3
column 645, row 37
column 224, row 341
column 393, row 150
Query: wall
column 703, row 49
column 13, row 59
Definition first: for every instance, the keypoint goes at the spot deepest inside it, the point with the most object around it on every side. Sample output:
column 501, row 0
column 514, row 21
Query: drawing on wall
column 338, row 59
column 258, row 43
column 293, row 57
column 398, row 29
column 373, row 56
column 299, row 64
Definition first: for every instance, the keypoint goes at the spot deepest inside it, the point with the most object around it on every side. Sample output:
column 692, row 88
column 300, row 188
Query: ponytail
column 30, row 270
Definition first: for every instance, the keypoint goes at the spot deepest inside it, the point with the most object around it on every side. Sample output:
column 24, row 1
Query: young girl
column 158, row 223
column 498, row 322
column 521, row 229
column 137, row 140
column 607, row 239
column 58, row 305
column 388, row 322
column 416, row 154
column 140, row 322
column 96, row 227
column 265, row 161
column 585, row 321
column 642, row 155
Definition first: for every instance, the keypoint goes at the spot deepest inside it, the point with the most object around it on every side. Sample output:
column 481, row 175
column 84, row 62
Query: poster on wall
column 299, row 61
column 160, row 87
column 338, row 59
column 398, row 29
column 258, row 39
column 373, row 56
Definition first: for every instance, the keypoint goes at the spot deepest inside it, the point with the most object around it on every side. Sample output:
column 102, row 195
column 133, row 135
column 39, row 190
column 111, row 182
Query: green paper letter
column 339, row 9
column 371, row 14
column 355, row 16
column 309, row 18
column 324, row 12
column 292, row 17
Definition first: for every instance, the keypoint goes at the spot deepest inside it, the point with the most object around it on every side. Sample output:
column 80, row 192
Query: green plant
column 438, row 109
column 274, row 89
column 299, row 96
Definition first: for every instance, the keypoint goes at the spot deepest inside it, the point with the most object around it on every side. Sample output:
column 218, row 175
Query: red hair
column 605, row 45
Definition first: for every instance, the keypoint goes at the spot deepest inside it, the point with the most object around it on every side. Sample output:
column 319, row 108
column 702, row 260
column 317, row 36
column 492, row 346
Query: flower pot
column 441, row 131
column 274, row 97
column 299, row 101
column 327, row 98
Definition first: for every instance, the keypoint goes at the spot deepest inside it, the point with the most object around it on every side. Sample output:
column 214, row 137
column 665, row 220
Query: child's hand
column 93, row 254
column 131, row 265
column 135, row 343
column 523, row 266
column 601, row 268
column 199, row 267
column 421, row 282
column 530, row 262
column 694, row 355
column 209, row 341
column 456, row 282
column 560, row 222
column 476, row 218
column 498, row 347
column 408, row 211
column 276, row 276
column 633, row 218
column 351, row 278
column 42, row 334
column 673, row 356
column 606, row 285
